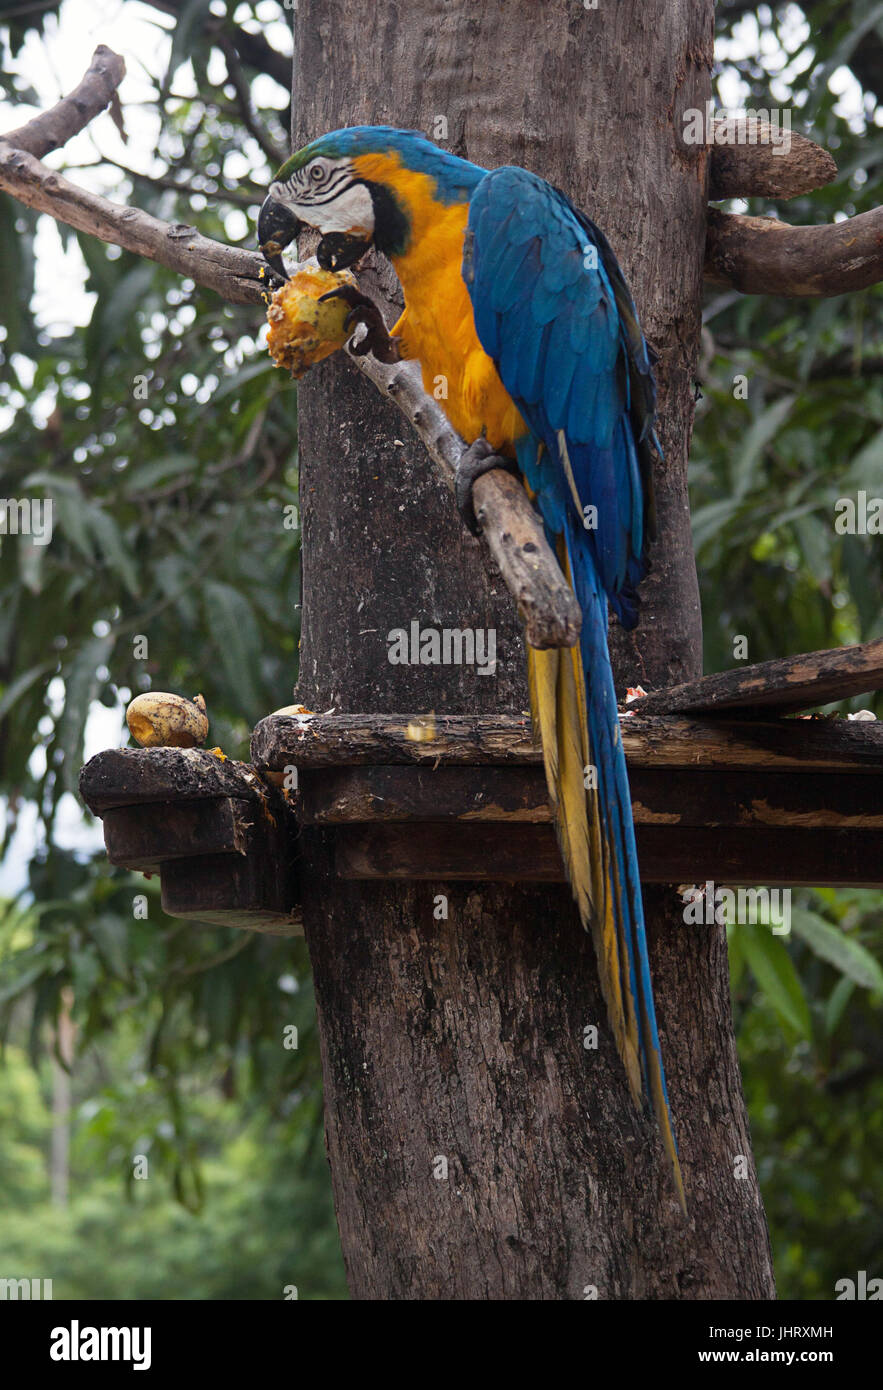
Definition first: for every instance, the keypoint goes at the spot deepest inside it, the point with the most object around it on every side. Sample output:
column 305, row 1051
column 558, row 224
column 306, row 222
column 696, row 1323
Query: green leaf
column 235, row 382
column 81, row 686
column 837, row 1002
column 709, row 521
column 70, row 510
column 774, row 972
column 191, row 18
column 231, row 620
column 21, row 684
column 161, row 470
column 107, row 534
column 767, row 424
column 843, row 952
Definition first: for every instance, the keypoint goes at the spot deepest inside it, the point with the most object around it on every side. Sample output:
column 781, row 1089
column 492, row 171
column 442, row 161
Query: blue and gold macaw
column 516, row 299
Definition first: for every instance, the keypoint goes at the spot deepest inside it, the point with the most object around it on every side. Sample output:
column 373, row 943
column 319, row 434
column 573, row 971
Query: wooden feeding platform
column 221, row 838
column 723, row 787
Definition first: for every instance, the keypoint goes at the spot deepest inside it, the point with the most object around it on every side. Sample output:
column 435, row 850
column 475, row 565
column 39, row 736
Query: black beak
column 277, row 227
column 337, row 250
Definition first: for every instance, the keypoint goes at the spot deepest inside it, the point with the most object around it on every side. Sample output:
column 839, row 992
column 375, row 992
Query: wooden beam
column 143, row 836
column 662, row 741
column 129, row 776
column 254, row 892
column 529, row 853
column 505, row 796
column 785, row 685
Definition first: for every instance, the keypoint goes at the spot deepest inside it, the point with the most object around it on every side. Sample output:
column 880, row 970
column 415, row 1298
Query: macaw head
column 357, row 187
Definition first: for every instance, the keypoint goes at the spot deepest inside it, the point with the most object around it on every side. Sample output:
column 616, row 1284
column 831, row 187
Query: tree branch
column 229, row 271
column 52, row 129
column 760, row 255
column 749, row 160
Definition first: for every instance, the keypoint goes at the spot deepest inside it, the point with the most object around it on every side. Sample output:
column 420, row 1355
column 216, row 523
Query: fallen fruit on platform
column 158, row 719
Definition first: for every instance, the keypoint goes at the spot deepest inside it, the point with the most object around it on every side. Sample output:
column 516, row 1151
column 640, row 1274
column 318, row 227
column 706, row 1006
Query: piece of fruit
column 160, row 720
column 303, row 331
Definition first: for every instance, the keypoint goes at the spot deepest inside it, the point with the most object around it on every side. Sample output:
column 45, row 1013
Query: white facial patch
column 352, row 211
column 325, row 196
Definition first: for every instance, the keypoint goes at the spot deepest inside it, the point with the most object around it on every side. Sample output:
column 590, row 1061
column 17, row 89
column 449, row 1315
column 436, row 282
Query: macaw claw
column 478, row 459
column 377, row 339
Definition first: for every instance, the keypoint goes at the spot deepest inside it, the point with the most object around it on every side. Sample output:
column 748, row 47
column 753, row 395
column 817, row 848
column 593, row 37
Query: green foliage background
column 169, row 523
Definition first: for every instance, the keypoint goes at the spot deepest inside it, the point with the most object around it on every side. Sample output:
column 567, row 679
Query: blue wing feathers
column 553, row 311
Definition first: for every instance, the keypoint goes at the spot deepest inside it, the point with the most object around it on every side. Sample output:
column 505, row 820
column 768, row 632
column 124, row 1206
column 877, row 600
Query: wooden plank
column 282, row 740
column 779, row 800
column 787, row 684
column 529, row 854
column 315, row 741
column 255, row 892
column 332, row 795
column 142, row 837
column 508, row 795
column 222, row 840
column 129, row 776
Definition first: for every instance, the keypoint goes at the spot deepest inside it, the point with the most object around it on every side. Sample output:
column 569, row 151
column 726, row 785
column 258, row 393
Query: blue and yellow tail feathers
column 573, row 704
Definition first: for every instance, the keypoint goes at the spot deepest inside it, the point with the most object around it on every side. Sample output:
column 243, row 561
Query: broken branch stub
column 752, row 159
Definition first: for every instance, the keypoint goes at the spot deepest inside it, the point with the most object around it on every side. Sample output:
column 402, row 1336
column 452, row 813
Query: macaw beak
column 337, row 250
column 277, row 227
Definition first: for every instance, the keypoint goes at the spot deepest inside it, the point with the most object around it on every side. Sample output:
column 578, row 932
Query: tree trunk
column 478, row 1148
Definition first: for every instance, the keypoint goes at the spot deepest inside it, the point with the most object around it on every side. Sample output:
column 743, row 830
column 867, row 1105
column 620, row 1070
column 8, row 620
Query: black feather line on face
column 392, row 227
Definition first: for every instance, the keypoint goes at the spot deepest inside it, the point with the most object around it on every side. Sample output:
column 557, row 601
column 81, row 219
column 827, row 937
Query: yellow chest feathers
column 438, row 330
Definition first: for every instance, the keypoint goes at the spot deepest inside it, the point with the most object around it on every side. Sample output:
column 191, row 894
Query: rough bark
column 509, row 524
column 462, row 1039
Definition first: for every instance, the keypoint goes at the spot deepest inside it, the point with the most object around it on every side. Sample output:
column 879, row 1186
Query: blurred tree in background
column 168, row 443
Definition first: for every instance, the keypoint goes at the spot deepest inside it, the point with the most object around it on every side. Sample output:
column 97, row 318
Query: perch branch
column 759, row 255
column 231, row 272
column 510, row 525
column 749, row 160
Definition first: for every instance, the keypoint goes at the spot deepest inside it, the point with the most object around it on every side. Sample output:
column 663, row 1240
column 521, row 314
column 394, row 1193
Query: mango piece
column 158, row 719
column 303, row 331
